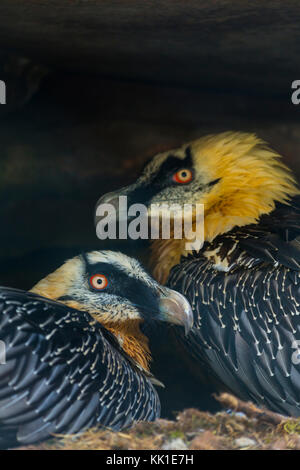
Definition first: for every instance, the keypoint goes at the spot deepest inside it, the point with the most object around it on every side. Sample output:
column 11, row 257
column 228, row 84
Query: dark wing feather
column 247, row 320
column 274, row 239
column 64, row 372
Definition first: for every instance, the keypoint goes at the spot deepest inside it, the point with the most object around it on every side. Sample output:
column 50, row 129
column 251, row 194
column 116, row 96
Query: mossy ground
column 193, row 430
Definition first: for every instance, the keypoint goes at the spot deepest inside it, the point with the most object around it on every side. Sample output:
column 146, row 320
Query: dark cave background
column 95, row 88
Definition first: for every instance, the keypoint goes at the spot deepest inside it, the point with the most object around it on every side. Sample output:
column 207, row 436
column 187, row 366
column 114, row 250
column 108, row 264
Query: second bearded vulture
column 74, row 355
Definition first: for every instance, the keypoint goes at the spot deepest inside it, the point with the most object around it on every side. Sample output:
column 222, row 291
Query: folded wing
column 64, row 372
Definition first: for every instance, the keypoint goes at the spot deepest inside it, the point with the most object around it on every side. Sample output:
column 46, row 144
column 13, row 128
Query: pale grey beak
column 174, row 308
column 108, row 198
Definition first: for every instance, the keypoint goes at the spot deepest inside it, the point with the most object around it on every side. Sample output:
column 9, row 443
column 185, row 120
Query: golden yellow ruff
column 252, row 180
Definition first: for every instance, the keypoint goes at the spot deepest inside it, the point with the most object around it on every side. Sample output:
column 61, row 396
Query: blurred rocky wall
column 82, row 136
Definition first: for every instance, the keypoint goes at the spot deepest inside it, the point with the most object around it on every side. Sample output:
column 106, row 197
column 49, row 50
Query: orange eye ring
column 183, row 176
column 99, row 281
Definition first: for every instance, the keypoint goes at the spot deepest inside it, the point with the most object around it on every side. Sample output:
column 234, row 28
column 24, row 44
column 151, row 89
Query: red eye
column 98, row 281
column 183, row 176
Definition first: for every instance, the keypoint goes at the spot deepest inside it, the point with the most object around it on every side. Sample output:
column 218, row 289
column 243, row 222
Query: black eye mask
column 162, row 179
column 170, row 166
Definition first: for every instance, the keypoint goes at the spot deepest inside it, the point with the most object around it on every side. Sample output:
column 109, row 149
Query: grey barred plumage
column 247, row 318
column 243, row 283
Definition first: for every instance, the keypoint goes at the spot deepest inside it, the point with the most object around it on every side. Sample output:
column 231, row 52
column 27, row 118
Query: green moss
column 292, row 427
column 177, row 434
